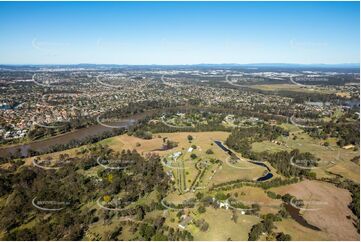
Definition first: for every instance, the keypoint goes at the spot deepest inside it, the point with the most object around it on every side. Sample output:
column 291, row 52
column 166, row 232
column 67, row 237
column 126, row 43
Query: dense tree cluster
column 265, row 227
column 68, row 189
column 287, row 163
column 346, row 129
column 276, row 182
column 241, row 139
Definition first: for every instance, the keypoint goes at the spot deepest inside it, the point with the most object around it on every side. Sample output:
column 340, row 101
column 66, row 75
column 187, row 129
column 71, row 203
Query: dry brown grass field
column 292, row 87
column 330, row 206
column 249, row 195
column 331, row 219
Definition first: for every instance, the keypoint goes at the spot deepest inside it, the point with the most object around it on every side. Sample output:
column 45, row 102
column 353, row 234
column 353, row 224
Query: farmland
column 180, row 154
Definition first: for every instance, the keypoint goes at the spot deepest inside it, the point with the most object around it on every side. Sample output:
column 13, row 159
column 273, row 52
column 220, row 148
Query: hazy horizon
column 196, row 64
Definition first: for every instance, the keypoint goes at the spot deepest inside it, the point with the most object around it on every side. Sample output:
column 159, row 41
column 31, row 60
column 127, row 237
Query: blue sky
column 179, row 32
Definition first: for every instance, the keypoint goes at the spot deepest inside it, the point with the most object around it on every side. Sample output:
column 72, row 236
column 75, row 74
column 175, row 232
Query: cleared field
column 344, row 94
column 177, row 199
column 240, row 170
column 221, row 227
column 299, row 232
column 291, row 87
column 118, row 143
column 203, row 141
column 207, row 177
column 113, row 143
column 251, row 195
column 330, row 208
column 228, row 173
column 183, row 177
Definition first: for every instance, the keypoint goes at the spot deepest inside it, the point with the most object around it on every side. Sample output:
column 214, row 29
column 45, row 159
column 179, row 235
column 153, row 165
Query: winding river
column 294, row 212
column 45, row 145
column 266, row 177
column 76, row 135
